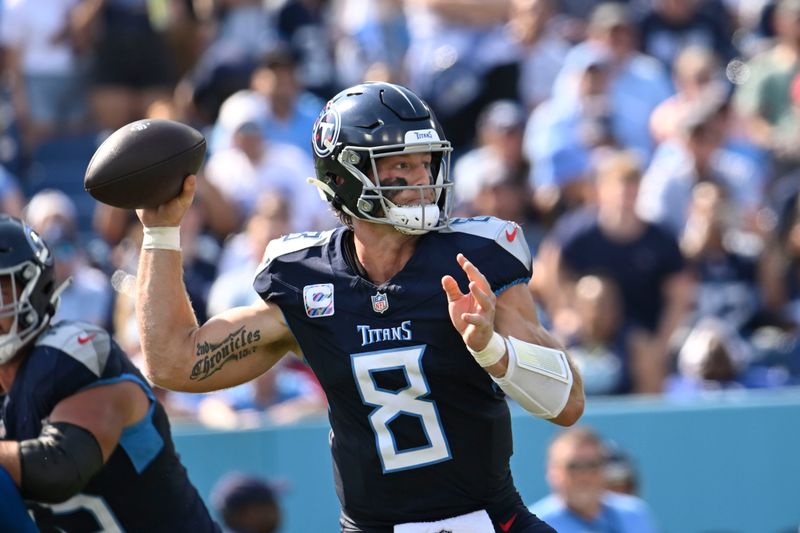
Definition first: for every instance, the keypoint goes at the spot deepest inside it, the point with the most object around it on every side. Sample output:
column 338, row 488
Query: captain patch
column 318, row 300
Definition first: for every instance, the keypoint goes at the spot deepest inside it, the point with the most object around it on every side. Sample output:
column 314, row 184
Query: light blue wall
column 723, row 465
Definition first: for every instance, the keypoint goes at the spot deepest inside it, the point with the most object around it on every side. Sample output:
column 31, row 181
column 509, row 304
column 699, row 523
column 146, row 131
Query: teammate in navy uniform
column 415, row 345
column 84, row 438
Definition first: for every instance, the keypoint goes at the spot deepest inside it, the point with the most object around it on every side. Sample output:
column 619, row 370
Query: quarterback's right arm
column 230, row 348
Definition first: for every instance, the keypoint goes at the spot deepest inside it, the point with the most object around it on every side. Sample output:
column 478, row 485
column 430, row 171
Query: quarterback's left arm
column 504, row 335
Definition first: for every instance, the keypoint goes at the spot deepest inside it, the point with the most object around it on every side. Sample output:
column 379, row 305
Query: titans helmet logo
column 326, row 131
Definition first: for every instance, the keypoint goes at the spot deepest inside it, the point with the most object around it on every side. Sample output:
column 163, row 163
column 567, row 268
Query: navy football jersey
column 143, row 486
column 419, row 431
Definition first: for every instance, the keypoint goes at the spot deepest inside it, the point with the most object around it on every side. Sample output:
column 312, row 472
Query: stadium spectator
column 541, row 49
column 372, row 40
column 699, row 154
column 637, row 82
column 246, row 504
column 669, row 26
column 610, row 353
column 695, row 71
column 580, row 501
column 724, row 261
column 243, row 251
column 459, row 61
column 499, row 146
column 87, row 298
column 292, row 108
column 306, row 27
column 565, row 136
column 131, row 63
column 254, row 165
column 763, row 94
column 44, row 66
column 612, row 240
column 350, row 299
column 84, row 437
column 712, row 358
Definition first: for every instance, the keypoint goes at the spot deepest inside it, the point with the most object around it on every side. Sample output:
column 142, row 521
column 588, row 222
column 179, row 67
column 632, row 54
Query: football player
column 416, row 325
column 84, row 437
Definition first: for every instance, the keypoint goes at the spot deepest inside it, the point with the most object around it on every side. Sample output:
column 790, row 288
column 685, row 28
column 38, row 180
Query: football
column 144, row 163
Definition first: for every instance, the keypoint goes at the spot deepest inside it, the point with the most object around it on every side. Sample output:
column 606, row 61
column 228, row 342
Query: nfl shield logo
column 380, row 303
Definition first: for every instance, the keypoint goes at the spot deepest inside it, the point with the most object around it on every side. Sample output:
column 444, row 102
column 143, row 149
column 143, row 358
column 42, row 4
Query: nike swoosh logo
column 83, row 339
column 511, row 235
column 505, row 526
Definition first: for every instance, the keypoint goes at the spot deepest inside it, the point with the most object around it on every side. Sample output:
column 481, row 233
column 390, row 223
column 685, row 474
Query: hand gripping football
column 144, row 163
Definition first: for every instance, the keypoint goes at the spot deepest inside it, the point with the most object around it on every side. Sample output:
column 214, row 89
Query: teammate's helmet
column 27, row 278
column 370, row 121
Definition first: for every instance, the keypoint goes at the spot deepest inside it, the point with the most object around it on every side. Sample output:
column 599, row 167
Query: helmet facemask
column 430, row 213
column 18, row 283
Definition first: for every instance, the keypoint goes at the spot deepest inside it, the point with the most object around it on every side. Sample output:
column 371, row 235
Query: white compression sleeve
column 538, row 378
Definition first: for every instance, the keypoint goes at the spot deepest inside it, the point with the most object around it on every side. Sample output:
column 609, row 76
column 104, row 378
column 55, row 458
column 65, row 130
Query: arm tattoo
column 234, row 347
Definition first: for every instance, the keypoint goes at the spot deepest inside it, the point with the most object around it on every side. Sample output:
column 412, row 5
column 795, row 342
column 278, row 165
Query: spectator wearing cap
column 699, row 154
column 580, row 501
column 637, row 82
column 564, row 136
column 500, row 127
column 246, row 504
column 88, row 297
column 253, row 165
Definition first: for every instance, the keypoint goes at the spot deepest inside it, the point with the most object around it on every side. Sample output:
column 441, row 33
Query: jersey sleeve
column 498, row 248
column 273, row 281
column 73, row 356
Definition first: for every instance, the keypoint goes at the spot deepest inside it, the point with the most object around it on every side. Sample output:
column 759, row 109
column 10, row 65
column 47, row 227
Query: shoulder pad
column 294, row 242
column 88, row 344
column 505, row 233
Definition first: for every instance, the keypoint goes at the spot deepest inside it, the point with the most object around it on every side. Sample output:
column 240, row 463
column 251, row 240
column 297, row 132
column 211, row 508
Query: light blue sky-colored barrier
column 726, row 464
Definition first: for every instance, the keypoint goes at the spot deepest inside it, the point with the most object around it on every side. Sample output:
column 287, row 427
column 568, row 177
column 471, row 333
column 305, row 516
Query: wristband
column 493, row 352
column 162, row 238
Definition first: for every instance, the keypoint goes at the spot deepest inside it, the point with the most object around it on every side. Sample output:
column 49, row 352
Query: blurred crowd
column 649, row 149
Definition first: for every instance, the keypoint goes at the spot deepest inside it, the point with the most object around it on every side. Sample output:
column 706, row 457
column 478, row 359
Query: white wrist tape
column 538, row 378
column 162, row 238
column 493, row 352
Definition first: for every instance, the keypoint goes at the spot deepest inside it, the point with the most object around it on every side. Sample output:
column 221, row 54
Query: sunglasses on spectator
column 583, row 466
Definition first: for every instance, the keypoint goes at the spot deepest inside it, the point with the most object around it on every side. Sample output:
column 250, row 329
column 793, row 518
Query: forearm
column 166, row 320
column 9, row 459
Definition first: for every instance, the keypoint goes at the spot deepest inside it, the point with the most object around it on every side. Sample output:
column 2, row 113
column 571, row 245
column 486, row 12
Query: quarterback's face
column 406, row 170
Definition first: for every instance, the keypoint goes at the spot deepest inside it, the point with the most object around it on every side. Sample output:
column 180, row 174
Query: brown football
column 144, row 163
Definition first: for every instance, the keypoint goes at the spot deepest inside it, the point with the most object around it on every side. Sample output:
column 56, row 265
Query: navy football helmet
column 29, row 295
column 370, row 121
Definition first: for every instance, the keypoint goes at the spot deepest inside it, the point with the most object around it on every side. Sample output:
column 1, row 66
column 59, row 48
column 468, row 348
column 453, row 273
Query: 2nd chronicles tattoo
column 234, row 347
